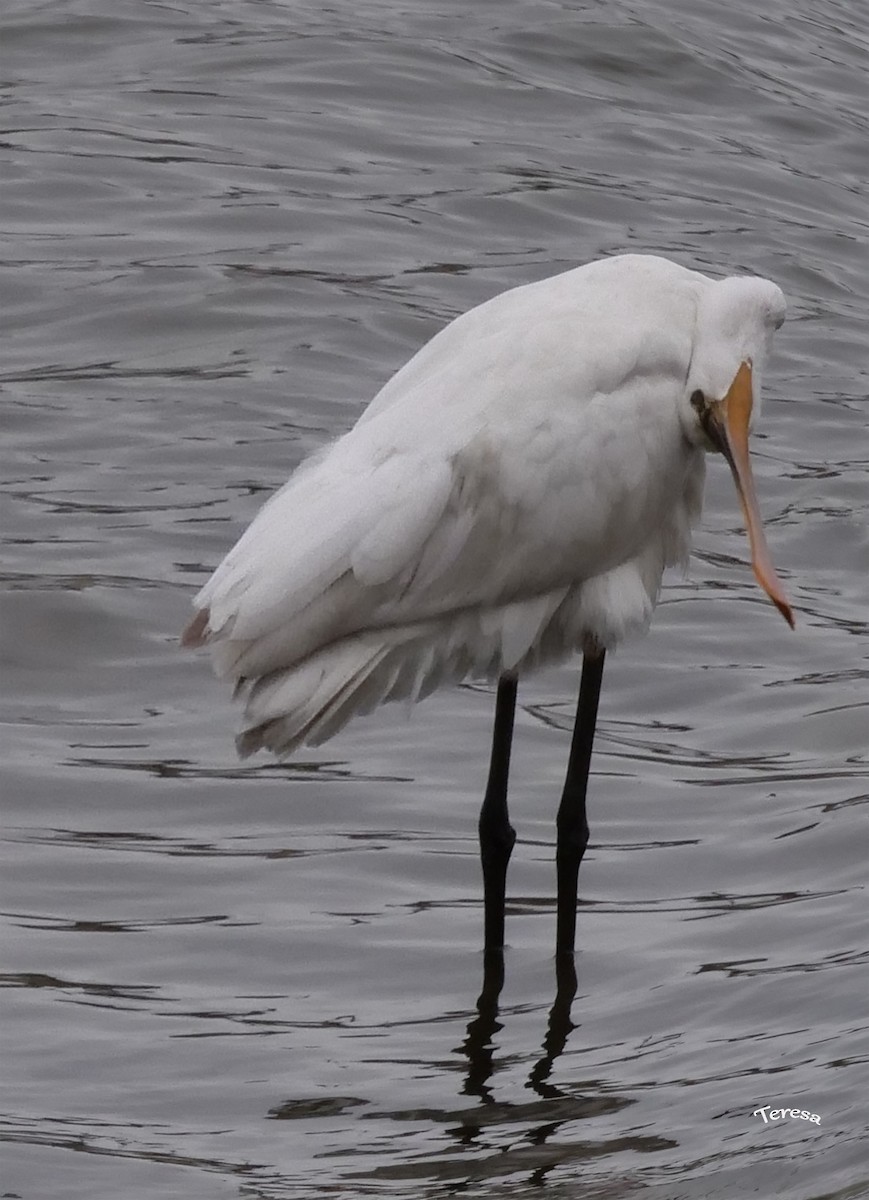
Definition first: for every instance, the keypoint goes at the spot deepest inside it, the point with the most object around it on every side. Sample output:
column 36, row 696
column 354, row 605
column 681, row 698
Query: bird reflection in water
column 538, row 1144
column 479, row 1044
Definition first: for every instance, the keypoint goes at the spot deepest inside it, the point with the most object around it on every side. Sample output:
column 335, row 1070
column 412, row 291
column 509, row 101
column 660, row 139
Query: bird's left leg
column 572, row 821
column 496, row 833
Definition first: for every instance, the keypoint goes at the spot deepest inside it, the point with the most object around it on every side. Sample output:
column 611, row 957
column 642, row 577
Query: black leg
column 572, row 820
column 496, row 833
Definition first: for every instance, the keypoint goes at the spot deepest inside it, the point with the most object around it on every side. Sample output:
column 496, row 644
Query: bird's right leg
column 572, row 820
column 496, row 833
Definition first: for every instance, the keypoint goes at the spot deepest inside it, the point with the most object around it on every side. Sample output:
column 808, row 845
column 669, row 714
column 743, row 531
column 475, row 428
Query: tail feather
column 284, row 710
column 195, row 631
column 310, row 700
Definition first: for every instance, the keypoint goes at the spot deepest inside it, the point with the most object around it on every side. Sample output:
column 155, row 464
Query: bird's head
column 736, row 319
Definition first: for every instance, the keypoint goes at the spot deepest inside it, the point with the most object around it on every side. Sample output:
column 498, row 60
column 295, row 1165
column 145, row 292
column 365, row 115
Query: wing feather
column 315, row 562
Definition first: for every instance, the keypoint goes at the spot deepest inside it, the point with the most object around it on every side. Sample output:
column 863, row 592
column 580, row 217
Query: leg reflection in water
column 478, row 1046
column 541, row 1134
column 558, row 1029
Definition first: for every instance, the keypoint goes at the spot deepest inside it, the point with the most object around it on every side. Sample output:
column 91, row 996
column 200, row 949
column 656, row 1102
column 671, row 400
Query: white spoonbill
column 510, row 497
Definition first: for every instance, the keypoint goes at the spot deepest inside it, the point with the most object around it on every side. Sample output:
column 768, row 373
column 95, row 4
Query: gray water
column 224, row 226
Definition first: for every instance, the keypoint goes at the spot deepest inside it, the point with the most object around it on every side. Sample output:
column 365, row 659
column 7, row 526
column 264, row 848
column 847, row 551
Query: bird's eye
column 698, row 401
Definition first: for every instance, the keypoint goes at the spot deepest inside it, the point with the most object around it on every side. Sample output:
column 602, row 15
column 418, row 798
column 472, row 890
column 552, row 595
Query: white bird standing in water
column 510, row 497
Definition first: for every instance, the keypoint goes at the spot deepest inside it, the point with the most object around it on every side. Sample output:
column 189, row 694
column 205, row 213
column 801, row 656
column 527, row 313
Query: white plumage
column 512, row 495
